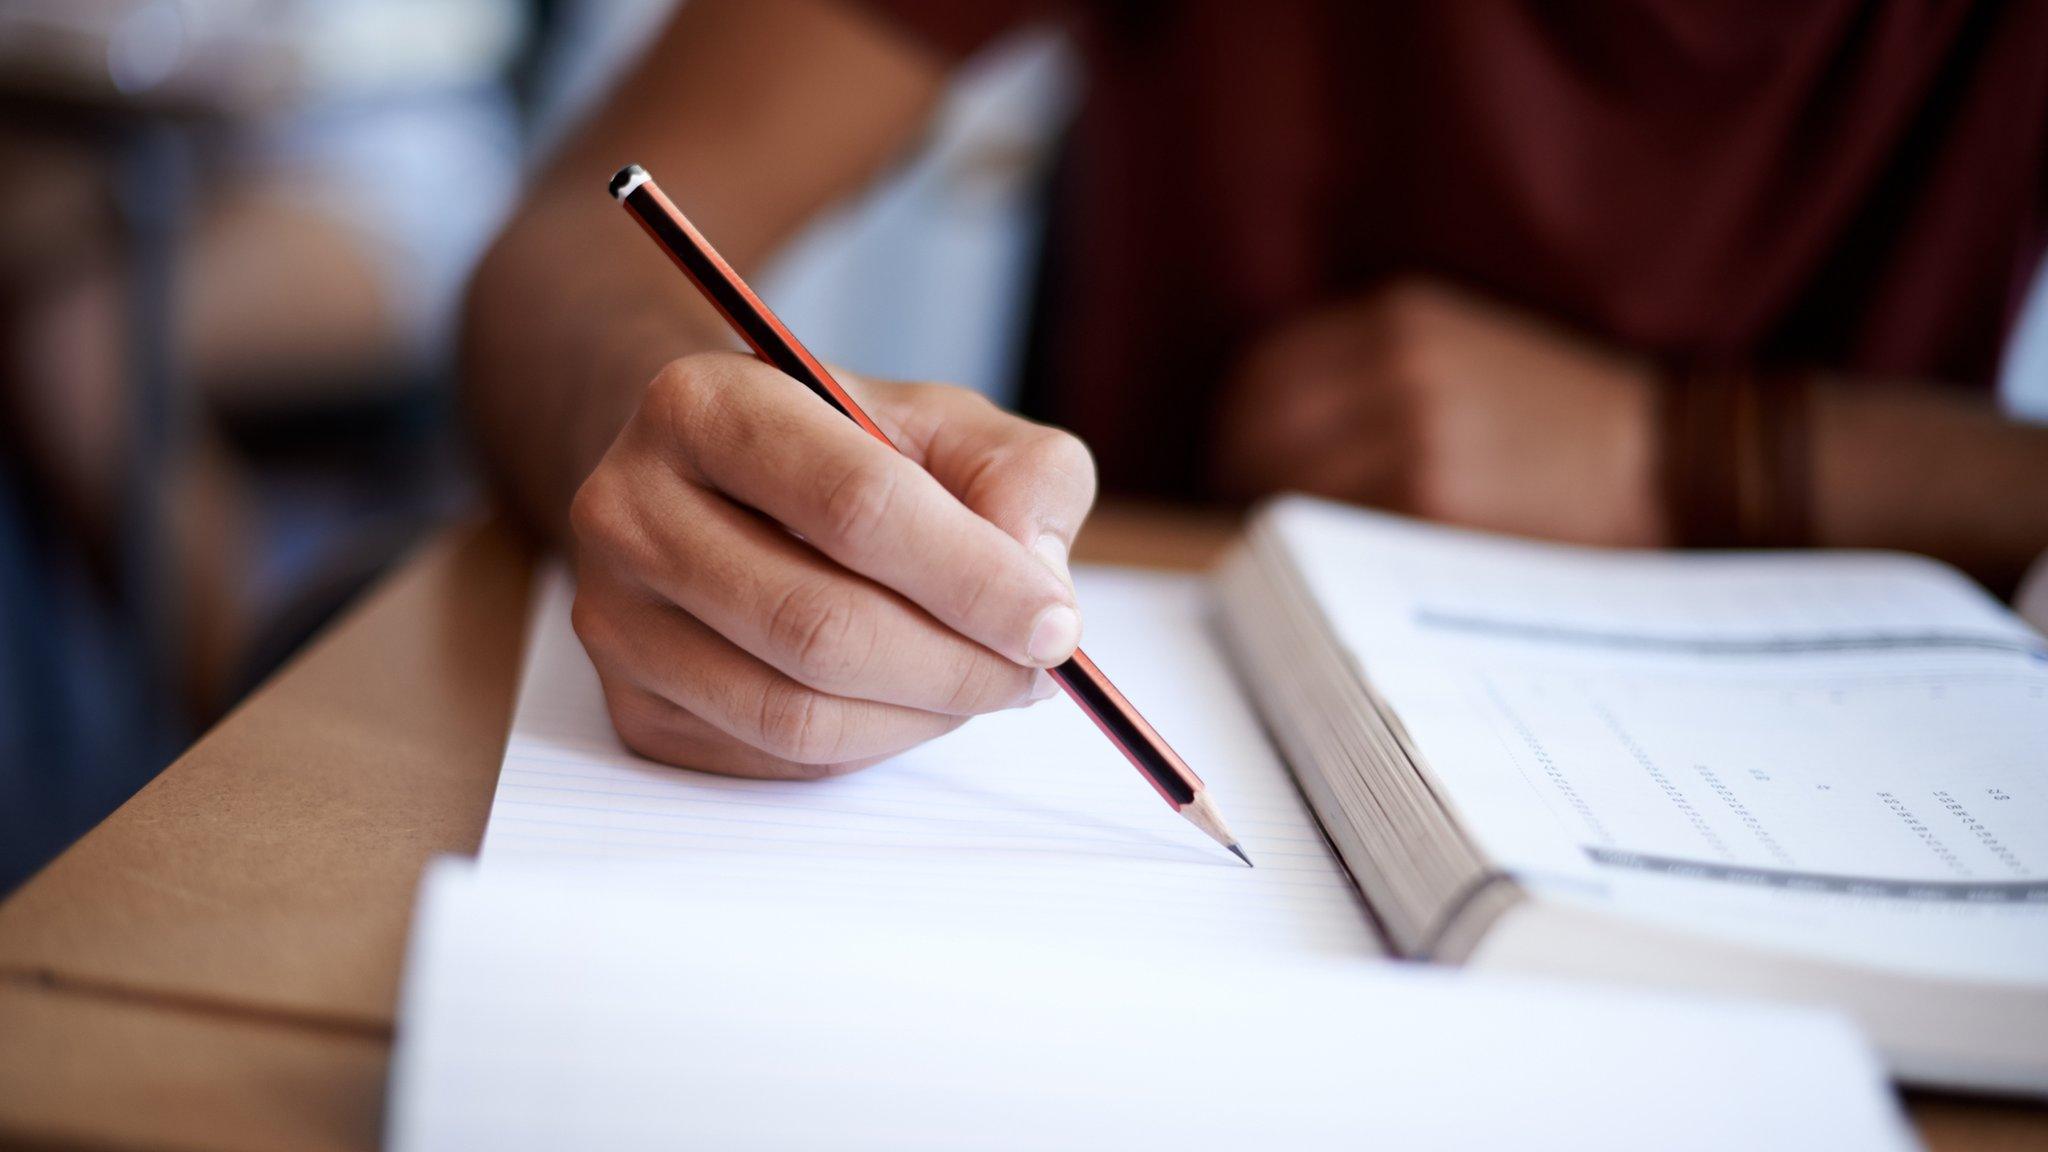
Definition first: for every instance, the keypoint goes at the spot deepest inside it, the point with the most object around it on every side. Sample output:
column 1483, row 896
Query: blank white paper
column 581, row 1008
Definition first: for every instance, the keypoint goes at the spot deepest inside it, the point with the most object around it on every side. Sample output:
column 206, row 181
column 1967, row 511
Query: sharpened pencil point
column 1201, row 812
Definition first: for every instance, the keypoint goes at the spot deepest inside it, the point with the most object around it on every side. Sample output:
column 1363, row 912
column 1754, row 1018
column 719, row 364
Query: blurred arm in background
column 1431, row 400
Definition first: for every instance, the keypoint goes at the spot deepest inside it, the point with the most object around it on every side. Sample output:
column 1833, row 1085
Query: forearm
column 756, row 114
column 565, row 327
column 1915, row 468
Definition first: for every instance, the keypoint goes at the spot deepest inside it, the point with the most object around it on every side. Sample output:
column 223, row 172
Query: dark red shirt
column 1813, row 183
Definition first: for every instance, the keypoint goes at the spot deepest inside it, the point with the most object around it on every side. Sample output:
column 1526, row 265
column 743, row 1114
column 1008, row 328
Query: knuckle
column 1410, row 362
column 608, row 531
column 818, row 635
column 1410, row 301
column 952, row 396
column 977, row 591
column 669, row 392
column 980, row 685
column 857, row 502
column 795, row 725
column 1041, row 468
column 640, row 736
column 1062, row 454
column 593, row 516
column 684, row 401
column 1418, row 488
column 586, row 512
column 1400, row 350
column 1410, row 316
column 589, row 622
column 678, row 382
column 637, row 720
column 931, row 396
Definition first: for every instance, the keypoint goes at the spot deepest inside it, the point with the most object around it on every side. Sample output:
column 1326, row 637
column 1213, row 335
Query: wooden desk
column 215, row 966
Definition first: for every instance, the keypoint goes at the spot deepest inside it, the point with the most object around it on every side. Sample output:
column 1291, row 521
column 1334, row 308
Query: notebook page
column 1023, row 817
column 1835, row 753
column 575, row 1009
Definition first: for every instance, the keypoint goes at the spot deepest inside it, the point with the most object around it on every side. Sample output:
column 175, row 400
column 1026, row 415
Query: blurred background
column 234, row 236
column 233, row 239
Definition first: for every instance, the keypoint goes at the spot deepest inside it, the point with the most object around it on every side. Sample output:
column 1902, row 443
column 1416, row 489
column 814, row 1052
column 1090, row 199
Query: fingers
column 1033, row 481
column 793, row 609
column 1371, row 471
column 1311, row 435
column 659, row 730
column 659, row 666
column 1320, row 406
column 755, row 435
column 766, row 590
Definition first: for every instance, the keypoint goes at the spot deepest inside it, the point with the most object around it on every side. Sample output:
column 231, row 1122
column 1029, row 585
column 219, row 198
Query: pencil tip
column 1239, row 852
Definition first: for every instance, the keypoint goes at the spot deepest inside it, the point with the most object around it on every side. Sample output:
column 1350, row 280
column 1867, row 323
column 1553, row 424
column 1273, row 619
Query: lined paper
column 1028, row 817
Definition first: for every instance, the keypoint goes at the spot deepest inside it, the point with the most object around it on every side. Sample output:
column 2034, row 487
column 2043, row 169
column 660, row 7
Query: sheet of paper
column 1027, row 817
column 581, row 1008
column 1835, row 754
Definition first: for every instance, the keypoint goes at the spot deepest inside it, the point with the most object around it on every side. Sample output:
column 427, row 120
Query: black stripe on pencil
column 1175, row 782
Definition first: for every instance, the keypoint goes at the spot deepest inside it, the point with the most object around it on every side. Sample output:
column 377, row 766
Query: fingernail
column 1053, row 636
column 1042, row 686
column 1053, row 551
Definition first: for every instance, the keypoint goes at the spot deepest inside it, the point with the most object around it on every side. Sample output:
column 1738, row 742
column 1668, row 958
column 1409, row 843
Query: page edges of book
column 1282, row 665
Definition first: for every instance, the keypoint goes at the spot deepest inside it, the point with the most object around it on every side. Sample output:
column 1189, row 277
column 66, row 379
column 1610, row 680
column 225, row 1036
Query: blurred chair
column 228, row 263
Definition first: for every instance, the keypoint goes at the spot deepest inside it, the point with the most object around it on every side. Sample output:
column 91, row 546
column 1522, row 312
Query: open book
column 1002, row 939
column 1819, row 778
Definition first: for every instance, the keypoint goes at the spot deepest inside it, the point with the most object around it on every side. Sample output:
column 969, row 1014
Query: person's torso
column 1830, row 184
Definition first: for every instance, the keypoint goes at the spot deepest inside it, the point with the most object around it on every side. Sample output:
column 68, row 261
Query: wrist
column 1734, row 457
column 1640, row 514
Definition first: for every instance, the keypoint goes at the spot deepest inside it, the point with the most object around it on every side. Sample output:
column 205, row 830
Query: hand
column 907, row 592
column 1429, row 401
